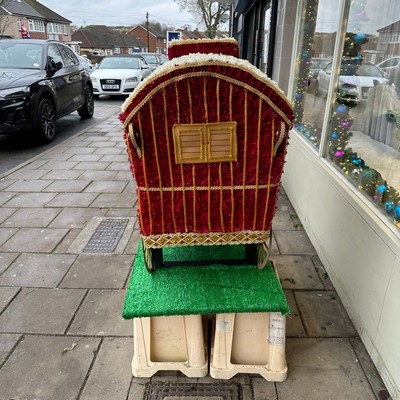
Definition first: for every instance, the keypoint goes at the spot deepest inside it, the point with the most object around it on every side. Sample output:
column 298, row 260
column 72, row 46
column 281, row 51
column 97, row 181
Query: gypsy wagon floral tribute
column 206, row 136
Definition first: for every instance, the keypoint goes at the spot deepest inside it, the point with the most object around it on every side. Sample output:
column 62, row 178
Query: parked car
column 316, row 65
column 152, row 59
column 390, row 64
column 88, row 65
column 354, row 81
column 119, row 74
column 163, row 58
column 391, row 68
column 41, row 81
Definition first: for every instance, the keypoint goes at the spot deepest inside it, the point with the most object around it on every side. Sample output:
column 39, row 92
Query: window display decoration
column 310, row 131
column 368, row 180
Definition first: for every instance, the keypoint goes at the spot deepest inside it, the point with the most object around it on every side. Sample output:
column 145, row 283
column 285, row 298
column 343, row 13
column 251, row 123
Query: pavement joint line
column 34, row 158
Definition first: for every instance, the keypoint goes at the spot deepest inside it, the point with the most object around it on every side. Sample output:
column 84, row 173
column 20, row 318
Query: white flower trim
column 196, row 41
column 198, row 59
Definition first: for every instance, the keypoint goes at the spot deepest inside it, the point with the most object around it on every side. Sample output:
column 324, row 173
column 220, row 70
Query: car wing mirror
column 145, row 67
column 53, row 66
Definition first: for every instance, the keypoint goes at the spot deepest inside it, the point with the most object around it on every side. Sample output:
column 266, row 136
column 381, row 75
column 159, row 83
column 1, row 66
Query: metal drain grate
column 193, row 391
column 106, row 237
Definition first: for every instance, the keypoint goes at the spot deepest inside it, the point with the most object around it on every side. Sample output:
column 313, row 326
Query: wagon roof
column 196, row 65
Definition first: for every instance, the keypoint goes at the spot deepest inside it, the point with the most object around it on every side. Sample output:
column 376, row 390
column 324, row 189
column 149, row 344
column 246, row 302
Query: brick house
column 196, row 34
column 154, row 40
column 41, row 22
column 389, row 41
column 100, row 40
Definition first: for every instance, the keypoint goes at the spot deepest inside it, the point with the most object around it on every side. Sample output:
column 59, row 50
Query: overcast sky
column 121, row 12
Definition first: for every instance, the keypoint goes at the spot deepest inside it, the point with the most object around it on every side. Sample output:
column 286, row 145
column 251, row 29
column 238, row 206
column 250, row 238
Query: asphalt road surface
column 15, row 150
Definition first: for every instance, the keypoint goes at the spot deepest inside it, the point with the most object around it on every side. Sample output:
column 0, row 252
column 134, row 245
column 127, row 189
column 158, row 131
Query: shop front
column 339, row 62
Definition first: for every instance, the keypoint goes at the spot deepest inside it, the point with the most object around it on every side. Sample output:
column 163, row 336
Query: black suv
column 41, row 81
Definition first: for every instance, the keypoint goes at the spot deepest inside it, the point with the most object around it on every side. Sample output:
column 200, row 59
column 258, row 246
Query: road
column 16, row 150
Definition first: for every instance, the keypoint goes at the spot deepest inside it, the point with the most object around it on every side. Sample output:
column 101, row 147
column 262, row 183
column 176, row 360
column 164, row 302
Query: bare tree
column 208, row 12
column 5, row 18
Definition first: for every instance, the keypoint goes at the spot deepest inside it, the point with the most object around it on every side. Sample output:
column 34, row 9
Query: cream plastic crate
column 249, row 343
column 174, row 343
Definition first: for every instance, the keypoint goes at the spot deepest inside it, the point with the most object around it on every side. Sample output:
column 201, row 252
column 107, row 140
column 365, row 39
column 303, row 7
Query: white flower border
column 198, row 59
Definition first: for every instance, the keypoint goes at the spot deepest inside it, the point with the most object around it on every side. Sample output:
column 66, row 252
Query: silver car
column 119, row 74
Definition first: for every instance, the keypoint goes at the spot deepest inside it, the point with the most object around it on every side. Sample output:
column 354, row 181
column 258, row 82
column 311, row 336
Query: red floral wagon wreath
column 206, row 136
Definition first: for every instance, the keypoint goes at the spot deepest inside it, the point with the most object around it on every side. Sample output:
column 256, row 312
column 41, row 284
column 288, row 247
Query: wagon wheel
column 263, row 252
column 148, row 259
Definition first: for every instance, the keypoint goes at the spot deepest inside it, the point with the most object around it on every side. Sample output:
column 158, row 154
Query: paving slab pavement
column 61, row 331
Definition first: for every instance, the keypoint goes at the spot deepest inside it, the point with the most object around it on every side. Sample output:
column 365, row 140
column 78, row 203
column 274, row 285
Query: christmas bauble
column 397, row 212
column 359, row 162
column 390, row 116
column 369, row 180
column 355, row 174
column 299, row 96
column 389, row 206
column 342, row 111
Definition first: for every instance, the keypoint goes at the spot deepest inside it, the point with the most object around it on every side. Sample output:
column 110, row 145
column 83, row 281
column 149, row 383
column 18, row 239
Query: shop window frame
column 322, row 151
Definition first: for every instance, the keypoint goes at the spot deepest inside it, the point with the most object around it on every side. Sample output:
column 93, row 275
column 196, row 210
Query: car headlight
column 94, row 79
column 15, row 92
column 132, row 79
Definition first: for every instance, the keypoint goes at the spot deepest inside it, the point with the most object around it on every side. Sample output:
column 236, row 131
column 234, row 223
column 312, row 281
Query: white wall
column 359, row 251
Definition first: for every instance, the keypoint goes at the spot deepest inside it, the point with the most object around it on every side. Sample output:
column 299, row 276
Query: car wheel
column 87, row 110
column 46, row 121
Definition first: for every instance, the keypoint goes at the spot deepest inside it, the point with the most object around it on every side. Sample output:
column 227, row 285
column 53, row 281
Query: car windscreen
column 119, row 63
column 21, row 55
column 150, row 59
column 319, row 63
column 361, row 70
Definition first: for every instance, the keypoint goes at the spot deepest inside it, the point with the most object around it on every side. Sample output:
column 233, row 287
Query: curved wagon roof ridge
column 196, row 64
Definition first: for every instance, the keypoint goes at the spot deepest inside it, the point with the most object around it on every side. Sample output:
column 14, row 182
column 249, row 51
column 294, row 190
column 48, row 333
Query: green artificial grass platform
column 202, row 289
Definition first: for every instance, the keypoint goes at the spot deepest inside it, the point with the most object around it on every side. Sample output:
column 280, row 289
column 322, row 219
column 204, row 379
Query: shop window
column 314, row 66
column 347, row 96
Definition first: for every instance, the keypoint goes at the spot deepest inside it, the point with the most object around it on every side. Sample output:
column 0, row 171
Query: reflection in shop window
column 314, row 66
column 363, row 136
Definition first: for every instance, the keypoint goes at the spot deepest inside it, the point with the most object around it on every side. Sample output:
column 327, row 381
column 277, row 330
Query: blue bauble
column 389, row 206
column 360, row 37
column 381, row 189
column 299, row 96
column 397, row 212
column 359, row 162
column 334, row 135
column 342, row 111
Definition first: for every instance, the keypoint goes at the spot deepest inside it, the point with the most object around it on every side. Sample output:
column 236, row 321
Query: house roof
column 101, row 36
column 151, row 30
column 45, row 12
column 196, row 34
column 19, row 8
column 395, row 27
